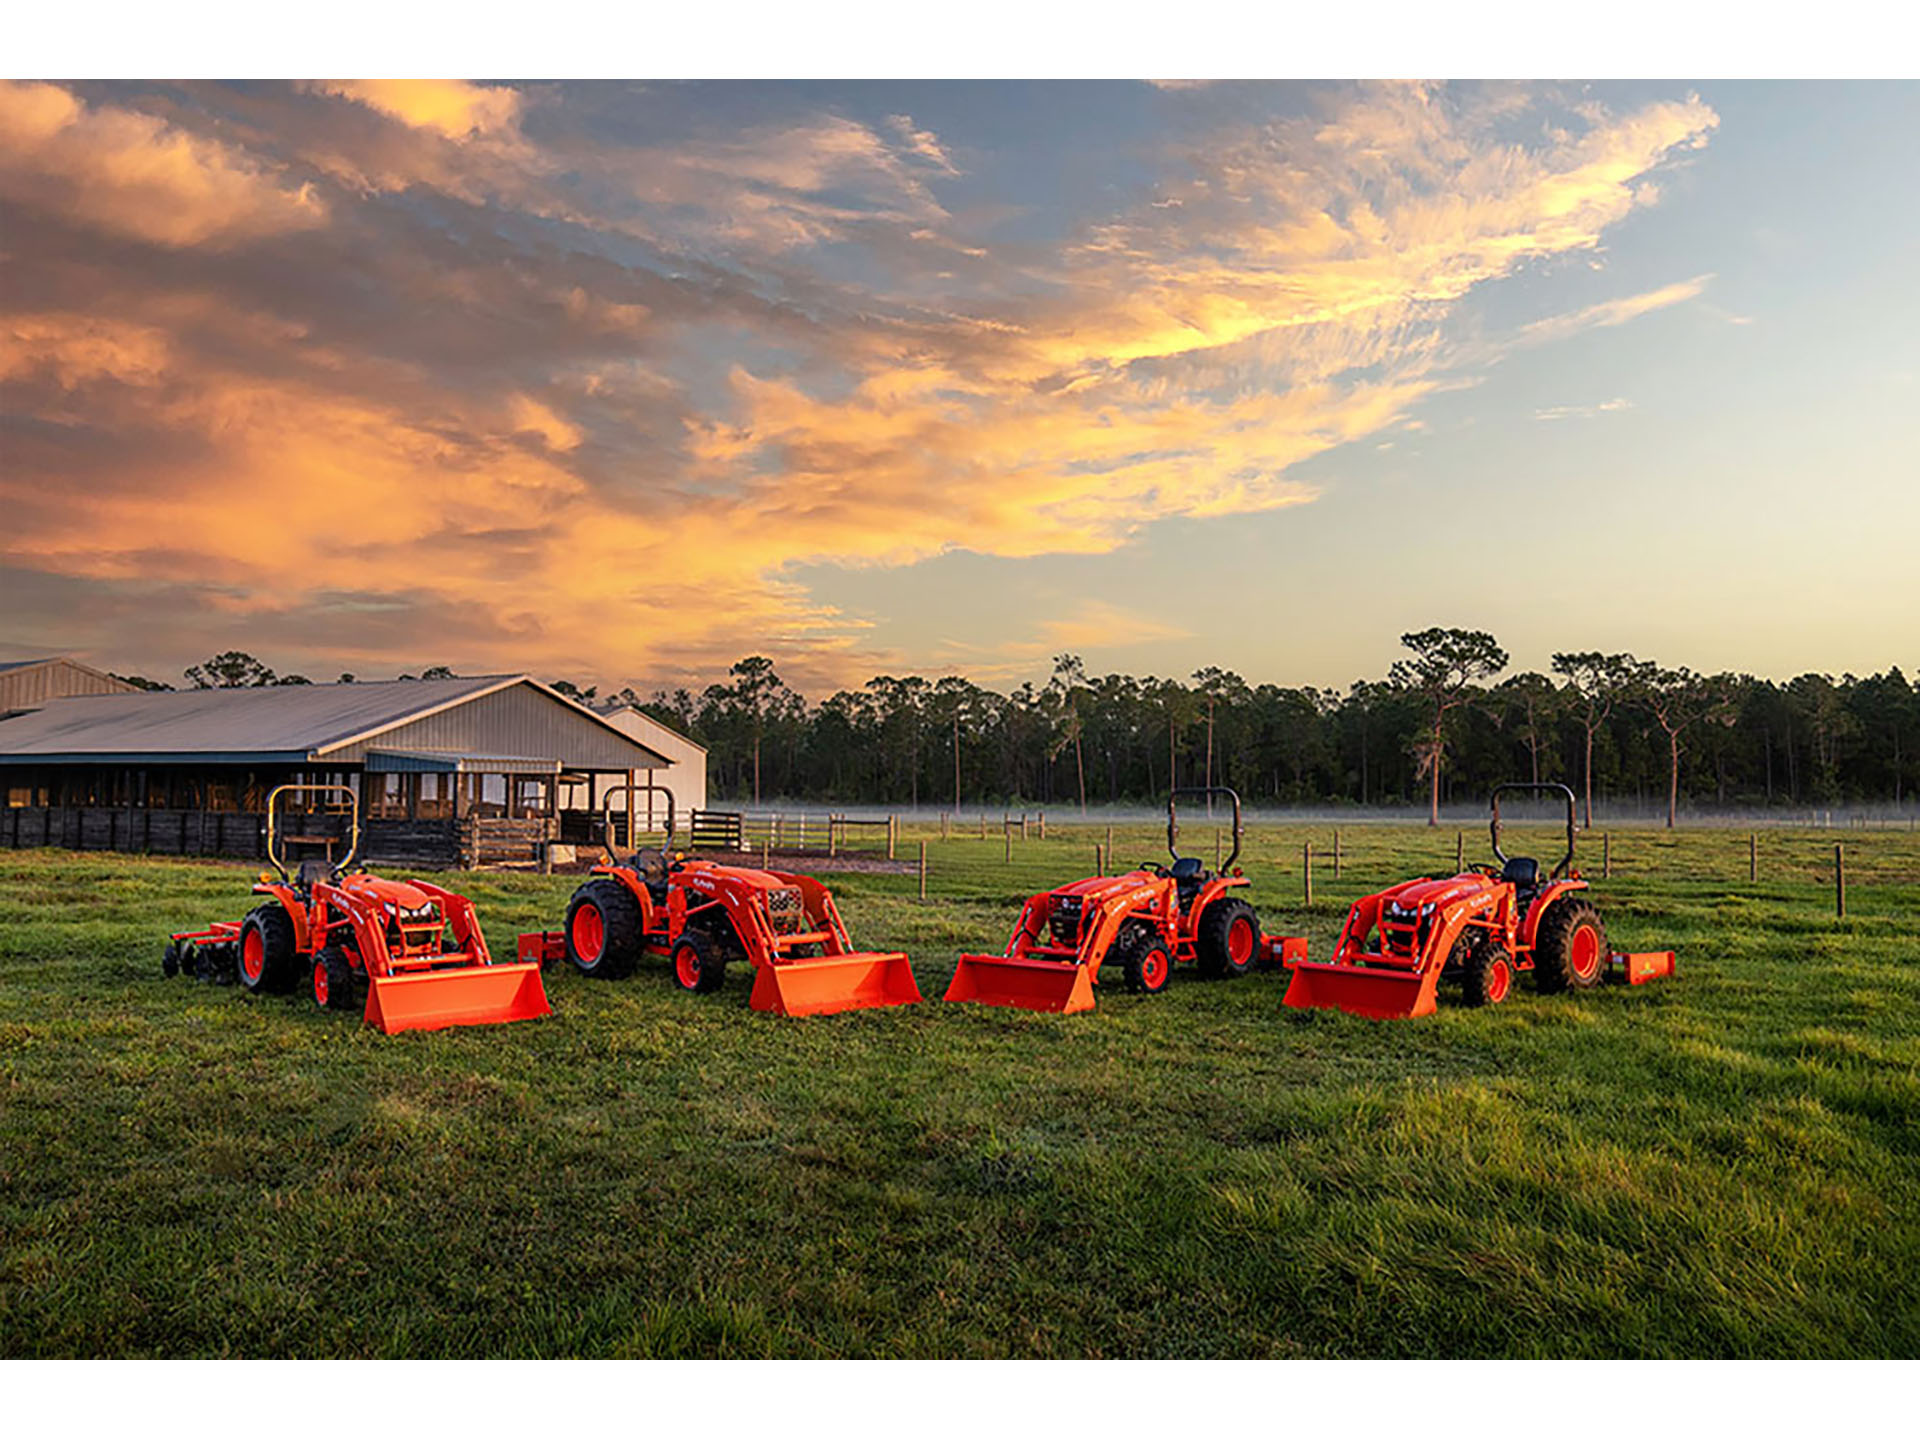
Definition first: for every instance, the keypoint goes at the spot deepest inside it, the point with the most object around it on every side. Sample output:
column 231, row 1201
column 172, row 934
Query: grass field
column 1725, row 1164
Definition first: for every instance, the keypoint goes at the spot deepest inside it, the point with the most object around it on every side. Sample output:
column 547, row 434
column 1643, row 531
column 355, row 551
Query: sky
column 622, row 382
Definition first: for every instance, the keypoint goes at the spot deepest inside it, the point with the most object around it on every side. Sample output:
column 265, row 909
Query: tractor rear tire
column 1145, row 962
column 699, row 964
column 1228, row 938
column 333, row 980
column 266, row 950
column 1486, row 975
column 603, row 930
column 1569, row 947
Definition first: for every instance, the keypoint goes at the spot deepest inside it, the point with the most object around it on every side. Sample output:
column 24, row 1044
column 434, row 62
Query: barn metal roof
column 286, row 723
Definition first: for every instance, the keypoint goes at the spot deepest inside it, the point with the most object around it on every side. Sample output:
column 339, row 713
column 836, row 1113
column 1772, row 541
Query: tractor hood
column 1104, row 887
column 397, row 893
column 1420, row 894
column 708, row 879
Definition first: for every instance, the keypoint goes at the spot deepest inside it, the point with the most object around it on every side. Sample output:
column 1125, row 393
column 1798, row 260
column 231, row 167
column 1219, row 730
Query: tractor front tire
column 1486, row 974
column 699, row 964
column 603, row 930
column 1228, row 939
column 332, row 980
column 1145, row 962
column 266, row 950
column 1569, row 948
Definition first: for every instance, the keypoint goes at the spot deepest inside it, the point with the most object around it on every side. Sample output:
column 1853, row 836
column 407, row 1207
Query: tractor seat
column 650, row 865
column 314, row 872
column 1522, row 872
column 1186, row 870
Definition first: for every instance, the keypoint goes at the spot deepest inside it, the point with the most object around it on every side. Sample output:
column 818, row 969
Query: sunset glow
column 624, row 382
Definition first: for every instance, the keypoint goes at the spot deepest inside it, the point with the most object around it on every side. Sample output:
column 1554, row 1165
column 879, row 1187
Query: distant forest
column 1444, row 724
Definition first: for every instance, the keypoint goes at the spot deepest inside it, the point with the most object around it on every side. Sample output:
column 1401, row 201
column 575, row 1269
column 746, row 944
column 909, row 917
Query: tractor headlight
column 425, row 915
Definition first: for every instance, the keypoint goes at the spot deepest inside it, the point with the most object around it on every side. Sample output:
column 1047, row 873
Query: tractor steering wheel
column 1153, row 867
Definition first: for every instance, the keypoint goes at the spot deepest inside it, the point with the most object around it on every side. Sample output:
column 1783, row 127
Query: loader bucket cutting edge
column 865, row 980
column 1049, row 985
column 476, row 995
column 1375, row 994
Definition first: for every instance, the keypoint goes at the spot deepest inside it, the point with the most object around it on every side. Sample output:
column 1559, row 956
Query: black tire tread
column 1553, row 946
column 278, row 973
column 1216, row 922
column 1476, row 967
column 620, row 917
column 1133, row 951
column 713, row 961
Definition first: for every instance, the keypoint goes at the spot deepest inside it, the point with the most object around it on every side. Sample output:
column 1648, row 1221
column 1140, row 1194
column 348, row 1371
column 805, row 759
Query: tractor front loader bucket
column 1378, row 993
column 827, row 984
column 1057, row 986
column 469, row 995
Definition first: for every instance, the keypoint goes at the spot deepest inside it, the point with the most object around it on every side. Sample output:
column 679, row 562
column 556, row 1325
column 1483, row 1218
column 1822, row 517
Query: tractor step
column 475, row 995
column 828, row 984
column 1638, row 968
column 1054, row 986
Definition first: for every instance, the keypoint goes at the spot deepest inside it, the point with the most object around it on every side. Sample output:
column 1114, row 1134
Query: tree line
column 1445, row 722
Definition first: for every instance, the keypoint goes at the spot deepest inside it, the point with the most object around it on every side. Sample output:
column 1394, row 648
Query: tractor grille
column 1064, row 921
column 786, row 911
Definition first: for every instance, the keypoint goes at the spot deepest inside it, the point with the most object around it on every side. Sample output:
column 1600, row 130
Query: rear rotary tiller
column 1148, row 920
column 699, row 916
column 414, row 951
column 1481, row 927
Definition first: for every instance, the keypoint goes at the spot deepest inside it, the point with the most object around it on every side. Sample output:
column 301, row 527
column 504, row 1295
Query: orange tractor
column 1149, row 920
column 1481, row 928
column 413, row 950
column 699, row 915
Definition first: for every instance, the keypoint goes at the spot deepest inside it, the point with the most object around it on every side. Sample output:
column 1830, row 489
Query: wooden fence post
column 923, row 869
column 1839, row 883
column 1306, row 869
column 1043, row 824
column 1606, row 855
column 893, row 833
column 1753, row 858
column 1109, row 842
column 1336, row 854
column 1100, row 860
column 833, row 837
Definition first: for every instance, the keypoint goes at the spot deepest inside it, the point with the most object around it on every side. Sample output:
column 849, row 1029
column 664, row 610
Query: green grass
column 1720, row 1165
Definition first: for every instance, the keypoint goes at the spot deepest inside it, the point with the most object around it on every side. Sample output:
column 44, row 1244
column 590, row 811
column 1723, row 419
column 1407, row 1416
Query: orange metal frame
column 1029, row 973
column 392, row 933
column 785, row 981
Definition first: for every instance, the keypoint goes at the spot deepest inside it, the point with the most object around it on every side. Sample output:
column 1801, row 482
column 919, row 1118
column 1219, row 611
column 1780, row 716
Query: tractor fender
column 1537, row 911
column 296, row 908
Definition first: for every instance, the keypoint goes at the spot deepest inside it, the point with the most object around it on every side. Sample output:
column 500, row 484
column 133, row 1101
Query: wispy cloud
column 1583, row 412
column 585, row 402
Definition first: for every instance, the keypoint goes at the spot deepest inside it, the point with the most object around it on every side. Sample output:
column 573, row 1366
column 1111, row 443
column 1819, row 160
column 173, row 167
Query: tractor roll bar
column 1173, row 819
column 353, row 822
column 606, row 817
column 1566, row 863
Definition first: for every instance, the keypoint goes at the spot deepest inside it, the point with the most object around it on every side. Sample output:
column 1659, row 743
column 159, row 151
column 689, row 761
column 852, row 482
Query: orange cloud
column 456, row 109
column 519, row 452
column 136, row 175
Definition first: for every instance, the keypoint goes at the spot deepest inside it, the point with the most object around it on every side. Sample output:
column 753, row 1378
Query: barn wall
column 32, row 686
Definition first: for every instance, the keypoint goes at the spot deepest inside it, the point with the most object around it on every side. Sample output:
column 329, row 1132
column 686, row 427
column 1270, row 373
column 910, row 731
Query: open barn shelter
column 449, row 772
